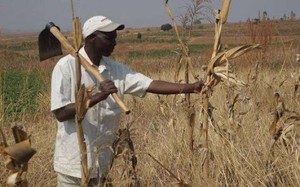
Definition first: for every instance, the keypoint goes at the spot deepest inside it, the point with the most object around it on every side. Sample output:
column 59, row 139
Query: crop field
column 253, row 130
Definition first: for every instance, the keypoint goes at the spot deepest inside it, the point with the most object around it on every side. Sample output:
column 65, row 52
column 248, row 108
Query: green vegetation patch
column 19, row 92
column 159, row 53
column 196, row 48
column 146, row 39
column 156, row 53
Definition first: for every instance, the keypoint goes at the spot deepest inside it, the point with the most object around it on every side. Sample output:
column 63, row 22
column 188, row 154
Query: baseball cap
column 100, row 23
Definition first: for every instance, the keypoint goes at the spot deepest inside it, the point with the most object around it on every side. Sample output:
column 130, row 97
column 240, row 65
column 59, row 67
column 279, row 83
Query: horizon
column 144, row 14
column 30, row 33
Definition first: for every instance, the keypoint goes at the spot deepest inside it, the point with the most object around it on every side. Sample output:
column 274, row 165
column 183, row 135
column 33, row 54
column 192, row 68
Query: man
column 102, row 119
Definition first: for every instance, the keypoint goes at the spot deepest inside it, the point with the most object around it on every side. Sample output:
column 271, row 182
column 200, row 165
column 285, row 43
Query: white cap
column 100, row 23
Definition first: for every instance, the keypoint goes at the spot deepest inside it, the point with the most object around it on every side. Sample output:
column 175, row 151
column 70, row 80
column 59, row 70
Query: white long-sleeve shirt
column 101, row 122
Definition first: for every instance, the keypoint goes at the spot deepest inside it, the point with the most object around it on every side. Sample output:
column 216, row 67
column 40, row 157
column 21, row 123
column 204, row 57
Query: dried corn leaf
column 227, row 75
column 20, row 152
column 19, row 134
column 235, row 52
column 277, row 114
column 9, row 163
column 13, row 179
column 211, row 63
column 293, row 119
column 240, row 50
column 83, row 101
column 231, row 78
column 222, row 69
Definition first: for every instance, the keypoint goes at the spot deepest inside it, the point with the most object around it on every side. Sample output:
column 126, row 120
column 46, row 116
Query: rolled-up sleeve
column 136, row 83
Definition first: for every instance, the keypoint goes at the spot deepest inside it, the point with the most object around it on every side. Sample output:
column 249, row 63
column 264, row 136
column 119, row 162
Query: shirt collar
column 103, row 64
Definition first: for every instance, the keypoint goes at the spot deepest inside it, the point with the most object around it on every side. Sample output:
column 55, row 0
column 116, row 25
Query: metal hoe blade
column 49, row 45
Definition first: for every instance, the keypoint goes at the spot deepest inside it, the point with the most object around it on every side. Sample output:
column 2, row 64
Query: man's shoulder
column 108, row 60
column 66, row 60
column 115, row 65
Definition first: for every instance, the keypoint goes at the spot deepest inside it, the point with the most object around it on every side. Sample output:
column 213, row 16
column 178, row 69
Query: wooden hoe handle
column 65, row 43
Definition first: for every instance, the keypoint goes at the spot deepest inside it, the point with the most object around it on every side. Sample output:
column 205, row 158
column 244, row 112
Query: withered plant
column 217, row 69
column 285, row 136
column 185, row 60
column 17, row 156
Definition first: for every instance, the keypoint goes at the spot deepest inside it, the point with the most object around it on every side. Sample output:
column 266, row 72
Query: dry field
column 243, row 151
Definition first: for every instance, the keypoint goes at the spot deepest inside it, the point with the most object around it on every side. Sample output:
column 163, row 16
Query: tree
column 184, row 19
column 265, row 15
column 139, row 36
column 284, row 17
column 198, row 21
column 166, row 27
column 196, row 12
column 293, row 15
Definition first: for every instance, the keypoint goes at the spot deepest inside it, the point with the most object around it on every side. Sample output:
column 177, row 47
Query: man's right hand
column 106, row 88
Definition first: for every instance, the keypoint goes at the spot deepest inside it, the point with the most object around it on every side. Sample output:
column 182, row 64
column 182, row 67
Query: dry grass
column 240, row 146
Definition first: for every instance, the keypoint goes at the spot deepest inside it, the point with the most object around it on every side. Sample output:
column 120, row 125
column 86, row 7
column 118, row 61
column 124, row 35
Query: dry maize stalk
column 215, row 71
column 184, row 57
column 225, row 10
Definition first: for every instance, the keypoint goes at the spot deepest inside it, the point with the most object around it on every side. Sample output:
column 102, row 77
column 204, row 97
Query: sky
column 19, row 16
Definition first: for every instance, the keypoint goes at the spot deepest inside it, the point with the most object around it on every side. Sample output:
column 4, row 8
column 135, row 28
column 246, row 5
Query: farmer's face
column 105, row 42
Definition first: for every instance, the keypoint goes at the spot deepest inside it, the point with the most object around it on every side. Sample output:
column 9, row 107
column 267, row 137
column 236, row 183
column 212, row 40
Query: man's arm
column 68, row 112
column 163, row 87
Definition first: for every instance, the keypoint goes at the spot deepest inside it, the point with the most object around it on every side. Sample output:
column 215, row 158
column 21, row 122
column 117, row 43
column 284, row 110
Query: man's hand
column 198, row 86
column 106, row 88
